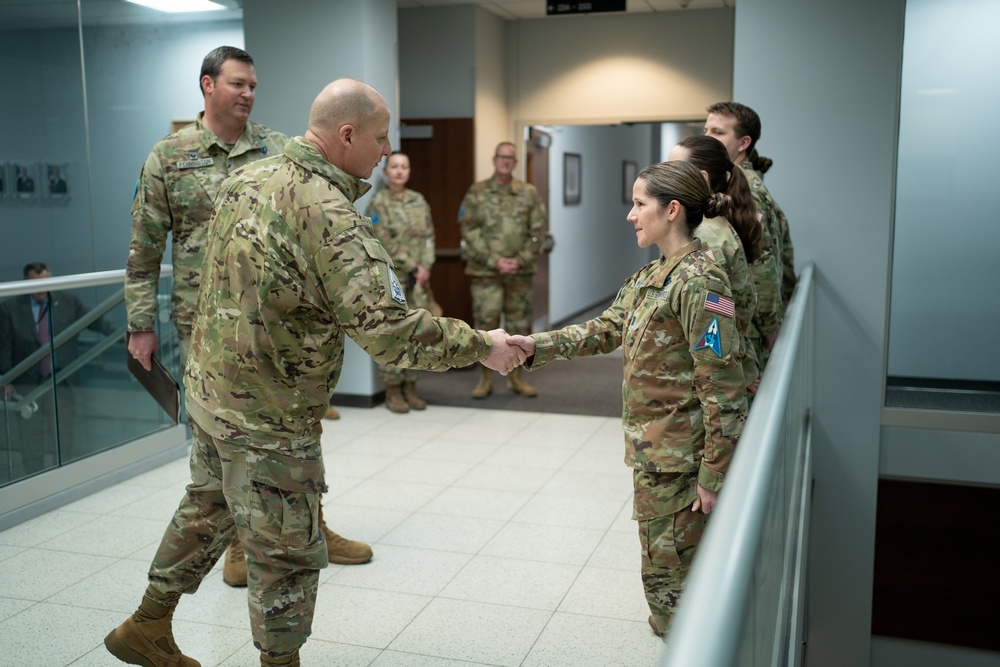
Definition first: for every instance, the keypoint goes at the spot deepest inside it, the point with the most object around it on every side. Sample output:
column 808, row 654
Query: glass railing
column 743, row 603
column 65, row 391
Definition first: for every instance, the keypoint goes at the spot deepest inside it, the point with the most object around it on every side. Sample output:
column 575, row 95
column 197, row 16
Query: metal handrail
column 59, row 283
column 26, row 404
column 719, row 584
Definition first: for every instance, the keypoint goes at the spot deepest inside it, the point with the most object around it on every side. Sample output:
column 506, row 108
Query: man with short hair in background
column 737, row 126
column 176, row 195
column 502, row 220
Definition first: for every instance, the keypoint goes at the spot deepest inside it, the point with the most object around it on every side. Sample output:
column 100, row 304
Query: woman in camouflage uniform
column 402, row 220
column 683, row 395
column 733, row 241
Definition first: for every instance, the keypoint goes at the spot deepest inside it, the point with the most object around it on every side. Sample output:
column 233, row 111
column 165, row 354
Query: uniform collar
column 515, row 186
column 247, row 141
column 668, row 264
column 302, row 152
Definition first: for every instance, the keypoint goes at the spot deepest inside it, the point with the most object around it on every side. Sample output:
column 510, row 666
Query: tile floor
column 500, row 538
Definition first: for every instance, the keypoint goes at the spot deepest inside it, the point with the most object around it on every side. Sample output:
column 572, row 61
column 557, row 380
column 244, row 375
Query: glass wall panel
column 944, row 312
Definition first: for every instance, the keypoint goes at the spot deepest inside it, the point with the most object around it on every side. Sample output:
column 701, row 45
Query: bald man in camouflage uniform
column 290, row 269
column 502, row 220
column 176, row 195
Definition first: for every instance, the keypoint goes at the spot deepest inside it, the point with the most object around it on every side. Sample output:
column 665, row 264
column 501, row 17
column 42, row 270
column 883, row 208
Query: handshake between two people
column 508, row 352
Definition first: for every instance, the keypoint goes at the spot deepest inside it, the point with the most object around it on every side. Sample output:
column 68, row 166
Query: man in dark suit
column 27, row 323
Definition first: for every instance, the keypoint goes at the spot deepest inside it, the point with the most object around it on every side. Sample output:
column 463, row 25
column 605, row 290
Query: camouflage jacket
column 766, row 269
column 720, row 242
column 501, row 221
column 290, row 268
column 684, row 395
column 403, row 224
column 176, row 194
column 788, row 278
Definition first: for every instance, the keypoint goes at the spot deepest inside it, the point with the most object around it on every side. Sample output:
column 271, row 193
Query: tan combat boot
column 410, row 394
column 284, row 661
column 485, row 385
column 331, row 413
column 343, row 551
column 394, row 399
column 517, row 384
column 234, row 567
column 145, row 638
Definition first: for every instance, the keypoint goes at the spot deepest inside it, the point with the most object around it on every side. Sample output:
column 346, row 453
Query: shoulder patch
column 394, row 288
column 710, row 338
column 719, row 304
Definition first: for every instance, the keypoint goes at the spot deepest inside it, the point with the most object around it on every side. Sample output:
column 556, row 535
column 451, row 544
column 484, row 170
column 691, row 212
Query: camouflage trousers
column 506, row 296
column 416, row 297
column 669, row 534
column 234, row 489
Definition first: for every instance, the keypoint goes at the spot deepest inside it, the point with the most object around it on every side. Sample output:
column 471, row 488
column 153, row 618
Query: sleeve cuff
column 710, row 479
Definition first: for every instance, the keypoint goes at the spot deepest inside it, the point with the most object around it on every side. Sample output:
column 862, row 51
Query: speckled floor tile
column 517, row 583
column 583, row 641
column 549, row 544
column 443, row 533
column 607, row 593
column 363, row 616
column 405, row 570
column 36, row 574
column 473, row 631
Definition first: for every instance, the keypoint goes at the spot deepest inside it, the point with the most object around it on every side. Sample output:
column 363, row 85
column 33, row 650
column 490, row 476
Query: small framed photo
column 23, row 180
column 572, row 178
column 56, row 186
column 629, row 170
column 4, row 179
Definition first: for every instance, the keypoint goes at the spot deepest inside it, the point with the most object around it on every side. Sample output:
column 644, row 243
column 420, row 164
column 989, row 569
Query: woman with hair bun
column 683, row 394
column 734, row 240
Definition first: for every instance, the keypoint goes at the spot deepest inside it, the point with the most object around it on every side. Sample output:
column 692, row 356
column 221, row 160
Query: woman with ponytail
column 734, row 241
column 683, row 395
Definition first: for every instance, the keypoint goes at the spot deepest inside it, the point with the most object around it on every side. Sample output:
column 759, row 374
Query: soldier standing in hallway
column 291, row 268
column 176, row 195
column 737, row 126
column 502, row 220
column 402, row 219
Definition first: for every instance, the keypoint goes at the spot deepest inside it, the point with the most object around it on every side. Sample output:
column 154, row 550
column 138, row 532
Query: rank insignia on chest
column 710, row 338
column 394, row 288
column 719, row 304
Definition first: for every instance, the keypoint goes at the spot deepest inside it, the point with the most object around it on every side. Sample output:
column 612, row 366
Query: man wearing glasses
column 503, row 225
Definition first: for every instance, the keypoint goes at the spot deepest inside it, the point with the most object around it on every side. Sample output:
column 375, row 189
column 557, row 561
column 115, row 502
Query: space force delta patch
column 710, row 338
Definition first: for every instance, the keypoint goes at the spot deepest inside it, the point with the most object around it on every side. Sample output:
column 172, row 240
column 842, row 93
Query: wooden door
column 537, row 173
column 442, row 167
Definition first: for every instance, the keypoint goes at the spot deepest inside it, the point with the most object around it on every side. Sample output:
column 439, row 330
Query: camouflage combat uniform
column 722, row 244
column 501, row 221
column 766, row 269
column 291, row 267
column 683, row 402
column 176, row 194
column 788, row 277
column 404, row 225
column 778, row 228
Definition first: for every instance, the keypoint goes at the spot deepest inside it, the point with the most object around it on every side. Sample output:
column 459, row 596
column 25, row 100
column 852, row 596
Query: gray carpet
column 588, row 386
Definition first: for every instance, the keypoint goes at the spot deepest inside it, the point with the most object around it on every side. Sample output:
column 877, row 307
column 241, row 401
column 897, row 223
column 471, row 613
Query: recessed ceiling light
column 177, row 6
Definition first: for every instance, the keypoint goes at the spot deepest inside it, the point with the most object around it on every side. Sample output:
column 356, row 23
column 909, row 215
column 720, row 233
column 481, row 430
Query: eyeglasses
column 505, row 157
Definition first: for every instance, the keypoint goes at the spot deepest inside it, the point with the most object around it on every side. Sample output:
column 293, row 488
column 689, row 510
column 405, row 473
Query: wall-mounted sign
column 557, row 8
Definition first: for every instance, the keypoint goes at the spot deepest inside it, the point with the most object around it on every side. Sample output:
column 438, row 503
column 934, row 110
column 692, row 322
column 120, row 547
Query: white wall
column 595, row 247
column 437, row 49
column 610, row 67
column 825, row 79
column 493, row 120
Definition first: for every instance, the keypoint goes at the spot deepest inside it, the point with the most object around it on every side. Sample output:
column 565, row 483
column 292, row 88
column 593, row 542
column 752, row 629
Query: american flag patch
column 719, row 304
column 711, row 255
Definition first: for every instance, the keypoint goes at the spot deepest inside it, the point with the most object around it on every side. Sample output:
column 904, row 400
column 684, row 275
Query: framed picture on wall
column 4, row 179
column 629, row 170
column 56, row 185
column 572, row 177
column 23, row 180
